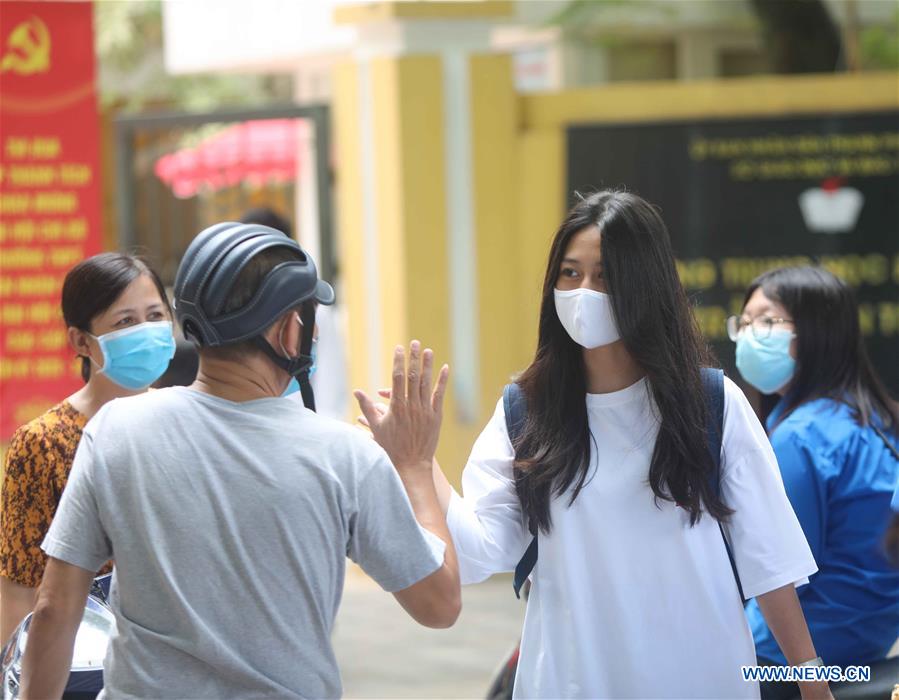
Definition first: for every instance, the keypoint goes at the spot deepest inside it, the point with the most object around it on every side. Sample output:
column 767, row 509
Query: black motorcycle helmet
column 206, row 276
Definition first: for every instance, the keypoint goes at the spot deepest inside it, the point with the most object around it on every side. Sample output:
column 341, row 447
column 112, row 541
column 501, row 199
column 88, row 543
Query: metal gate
column 156, row 222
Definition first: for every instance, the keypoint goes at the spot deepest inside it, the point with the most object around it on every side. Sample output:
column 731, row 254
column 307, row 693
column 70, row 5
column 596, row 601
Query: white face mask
column 587, row 316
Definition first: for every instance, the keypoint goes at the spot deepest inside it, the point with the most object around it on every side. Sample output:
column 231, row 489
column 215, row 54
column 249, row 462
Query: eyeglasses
column 761, row 326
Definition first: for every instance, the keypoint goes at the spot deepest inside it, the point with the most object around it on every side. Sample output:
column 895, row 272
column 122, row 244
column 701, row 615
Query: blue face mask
column 766, row 363
column 137, row 356
column 294, row 386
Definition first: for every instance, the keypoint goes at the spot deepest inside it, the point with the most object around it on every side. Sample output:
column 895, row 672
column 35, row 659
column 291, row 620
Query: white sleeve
column 487, row 525
column 768, row 544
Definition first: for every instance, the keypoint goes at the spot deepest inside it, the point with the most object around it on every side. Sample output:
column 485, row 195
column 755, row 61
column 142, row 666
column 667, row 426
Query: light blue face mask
column 294, row 386
column 137, row 356
column 766, row 363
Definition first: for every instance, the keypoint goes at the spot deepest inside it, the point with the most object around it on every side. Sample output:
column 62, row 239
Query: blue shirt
column 840, row 479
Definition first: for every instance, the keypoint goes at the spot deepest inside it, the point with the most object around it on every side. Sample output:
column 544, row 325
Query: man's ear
column 293, row 333
column 284, row 331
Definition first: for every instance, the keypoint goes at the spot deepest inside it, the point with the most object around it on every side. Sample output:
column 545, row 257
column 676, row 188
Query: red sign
column 49, row 195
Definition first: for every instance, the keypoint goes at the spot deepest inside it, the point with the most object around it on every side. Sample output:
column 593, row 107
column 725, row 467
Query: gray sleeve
column 385, row 538
column 76, row 535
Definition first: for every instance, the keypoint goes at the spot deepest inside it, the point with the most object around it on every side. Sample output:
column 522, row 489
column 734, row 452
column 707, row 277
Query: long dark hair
column 94, row 284
column 831, row 362
column 658, row 330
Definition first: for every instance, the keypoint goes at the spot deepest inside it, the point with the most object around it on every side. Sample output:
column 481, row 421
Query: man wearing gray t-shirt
column 230, row 511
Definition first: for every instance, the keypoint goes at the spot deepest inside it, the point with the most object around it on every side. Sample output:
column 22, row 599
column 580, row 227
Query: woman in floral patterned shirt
column 119, row 323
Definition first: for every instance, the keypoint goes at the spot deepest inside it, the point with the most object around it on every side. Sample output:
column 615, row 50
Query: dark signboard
column 743, row 196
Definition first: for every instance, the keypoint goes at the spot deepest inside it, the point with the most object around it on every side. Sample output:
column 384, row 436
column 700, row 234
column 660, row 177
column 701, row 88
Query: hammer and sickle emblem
column 27, row 48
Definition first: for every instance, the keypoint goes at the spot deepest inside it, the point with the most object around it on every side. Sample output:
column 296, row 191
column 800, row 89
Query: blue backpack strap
column 525, row 567
column 713, row 384
column 515, row 409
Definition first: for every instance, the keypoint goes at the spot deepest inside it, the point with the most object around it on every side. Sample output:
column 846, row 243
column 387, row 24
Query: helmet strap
column 307, row 318
column 300, row 365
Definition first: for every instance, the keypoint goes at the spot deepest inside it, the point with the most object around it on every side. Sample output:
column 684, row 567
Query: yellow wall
column 410, row 221
column 348, row 194
column 748, row 97
column 494, row 121
column 421, row 202
column 541, row 204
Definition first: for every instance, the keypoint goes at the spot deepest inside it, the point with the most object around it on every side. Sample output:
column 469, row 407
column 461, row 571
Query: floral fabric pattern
column 38, row 463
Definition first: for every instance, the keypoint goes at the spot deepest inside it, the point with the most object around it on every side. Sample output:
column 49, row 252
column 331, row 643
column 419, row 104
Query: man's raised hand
column 410, row 427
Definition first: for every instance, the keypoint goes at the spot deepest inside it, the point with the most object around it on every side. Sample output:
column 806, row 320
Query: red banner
column 49, row 195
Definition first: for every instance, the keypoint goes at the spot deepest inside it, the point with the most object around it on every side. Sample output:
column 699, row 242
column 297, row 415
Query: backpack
column 515, row 407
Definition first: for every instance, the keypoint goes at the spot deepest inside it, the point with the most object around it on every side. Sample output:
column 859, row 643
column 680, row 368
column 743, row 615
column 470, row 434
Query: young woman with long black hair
column 835, row 432
column 633, row 594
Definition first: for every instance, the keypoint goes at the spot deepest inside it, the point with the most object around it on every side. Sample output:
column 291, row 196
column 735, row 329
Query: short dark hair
column 244, row 289
column 94, row 284
column 182, row 370
column 268, row 217
column 832, row 361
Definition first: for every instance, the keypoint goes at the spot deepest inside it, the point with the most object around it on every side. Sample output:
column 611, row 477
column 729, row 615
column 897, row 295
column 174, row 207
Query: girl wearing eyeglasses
column 834, row 432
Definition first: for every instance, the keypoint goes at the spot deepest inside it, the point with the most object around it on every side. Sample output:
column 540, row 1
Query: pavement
column 383, row 653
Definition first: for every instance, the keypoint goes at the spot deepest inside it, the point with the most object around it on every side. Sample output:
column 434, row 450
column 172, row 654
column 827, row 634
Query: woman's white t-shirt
column 627, row 599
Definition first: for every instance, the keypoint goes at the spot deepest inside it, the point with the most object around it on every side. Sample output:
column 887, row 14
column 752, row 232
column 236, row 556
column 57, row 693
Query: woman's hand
column 785, row 619
column 410, row 427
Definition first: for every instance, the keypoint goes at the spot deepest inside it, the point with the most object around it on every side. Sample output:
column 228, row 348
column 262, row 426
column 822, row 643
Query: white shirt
column 628, row 600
